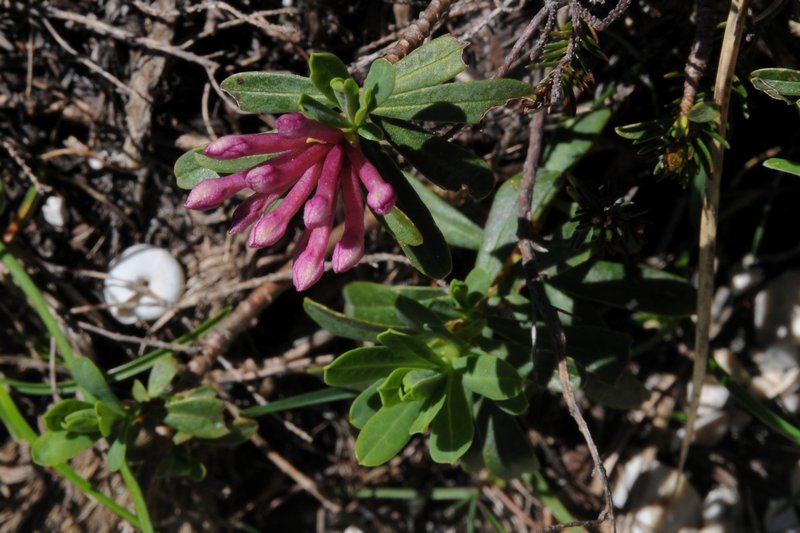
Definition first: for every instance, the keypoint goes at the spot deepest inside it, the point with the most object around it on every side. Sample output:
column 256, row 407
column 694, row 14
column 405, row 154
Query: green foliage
column 779, row 83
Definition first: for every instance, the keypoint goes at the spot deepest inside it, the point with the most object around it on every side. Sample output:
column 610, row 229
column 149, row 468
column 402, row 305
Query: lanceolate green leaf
column 452, row 429
column 188, row 171
column 386, row 433
column 380, row 81
column 340, row 324
column 197, row 416
column 363, row 365
column 505, row 449
column 432, row 257
column 375, row 302
column 403, row 345
column 779, row 83
column 790, row 167
column 430, row 408
column 57, row 447
column 489, row 376
column 89, row 377
column 402, row 228
column 321, row 112
column 321, row 396
column 268, row 92
column 366, row 405
column 453, row 102
column 458, row 230
column 431, row 64
column 324, row 68
column 446, row 164
column 499, row 236
column 229, row 166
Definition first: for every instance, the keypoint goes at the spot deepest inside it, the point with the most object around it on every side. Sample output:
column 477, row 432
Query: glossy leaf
column 432, row 257
column 188, row 171
column 365, row 405
column 633, row 288
column 379, row 83
column 376, row 302
column 453, row 102
column 457, row 228
column 446, row 164
column 161, row 375
column 197, row 416
column 431, row 64
column 783, row 165
column 56, row 447
column 324, row 68
column 452, row 429
column 340, row 324
column 268, row 92
column 363, row 365
column 386, row 433
column 505, row 449
column 489, row 376
column 318, row 111
column 500, row 231
column 779, row 83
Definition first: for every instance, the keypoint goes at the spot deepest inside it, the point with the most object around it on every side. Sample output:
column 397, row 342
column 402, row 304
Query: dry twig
column 413, row 35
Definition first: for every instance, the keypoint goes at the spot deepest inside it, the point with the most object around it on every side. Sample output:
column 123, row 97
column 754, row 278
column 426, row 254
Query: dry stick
column 710, row 213
column 530, row 29
column 697, row 62
column 413, row 36
column 540, row 304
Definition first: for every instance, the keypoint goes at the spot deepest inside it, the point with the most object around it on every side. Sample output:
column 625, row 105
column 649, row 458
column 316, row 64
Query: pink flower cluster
column 309, row 156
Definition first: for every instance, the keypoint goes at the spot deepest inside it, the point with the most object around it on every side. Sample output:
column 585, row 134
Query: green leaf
column 417, row 316
column 458, row 230
column 83, row 421
column 197, row 416
column 633, row 288
column 239, row 432
column 432, row 257
column 139, row 392
column 161, row 375
column 229, row 166
column 392, row 388
column 365, row 405
column 367, row 364
column 376, row 303
column 641, row 132
column 506, row 450
column 431, row 406
column 346, row 92
column 514, row 406
column 627, row 393
column 107, row 417
column 421, row 384
column 89, row 377
column 572, row 141
column 453, row 102
column 779, row 83
column 321, row 396
column 56, row 447
column 500, row 231
column 340, row 324
column 783, row 165
column 370, row 131
column 703, row 112
column 446, row 164
column 188, row 171
column 489, row 376
column 431, row 64
column 380, row 83
column 318, row 111
column 268, row 92
column 54, row 418
column 325, row 68
column 386, row 433
column 452, row 429
column 116, row 453
column 410, row 347
column 401, row 227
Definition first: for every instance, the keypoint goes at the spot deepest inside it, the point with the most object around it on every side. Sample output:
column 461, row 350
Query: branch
column 697, row 62
column 413, row 35
column 540, row 304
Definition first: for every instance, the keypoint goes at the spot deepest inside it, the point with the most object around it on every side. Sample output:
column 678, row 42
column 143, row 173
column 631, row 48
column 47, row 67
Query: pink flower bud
column 285, row 168
column 296, row 125
column 309, row 262
column 350, row 249
column 321, row 207
column 250, row 210
column 210, row 193
column 233, row 146
column 272, row 227
column 381, row 196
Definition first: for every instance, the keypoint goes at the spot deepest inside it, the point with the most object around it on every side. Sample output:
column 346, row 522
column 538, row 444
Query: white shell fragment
column 144, row 281
column 54, row 211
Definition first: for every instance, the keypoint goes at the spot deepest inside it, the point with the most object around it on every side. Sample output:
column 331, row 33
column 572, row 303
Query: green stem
column 20, row 429
column 138, row 498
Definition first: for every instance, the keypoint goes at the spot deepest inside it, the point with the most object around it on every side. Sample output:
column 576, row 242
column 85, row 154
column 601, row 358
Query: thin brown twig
column 172, row 346
column 709, row 215
column 697, row 62
column 541, row 306
column 523, row 39
column 414, row 34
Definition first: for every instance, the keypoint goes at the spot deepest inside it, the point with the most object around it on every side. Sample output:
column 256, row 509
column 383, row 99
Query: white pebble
column 54, row 211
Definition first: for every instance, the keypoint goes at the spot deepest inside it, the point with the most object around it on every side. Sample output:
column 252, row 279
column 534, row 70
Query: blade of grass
column 137, row 497
column 301, row 400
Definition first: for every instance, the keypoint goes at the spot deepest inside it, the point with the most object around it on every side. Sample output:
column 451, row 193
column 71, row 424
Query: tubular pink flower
column 350, row 249
column 309, row 262
column 210, row 193
column 296, row 125
column 250, row 210
column 321, row 207
column 380, row 195
column 272, row 226
column 284, row 168
column 233, row 146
